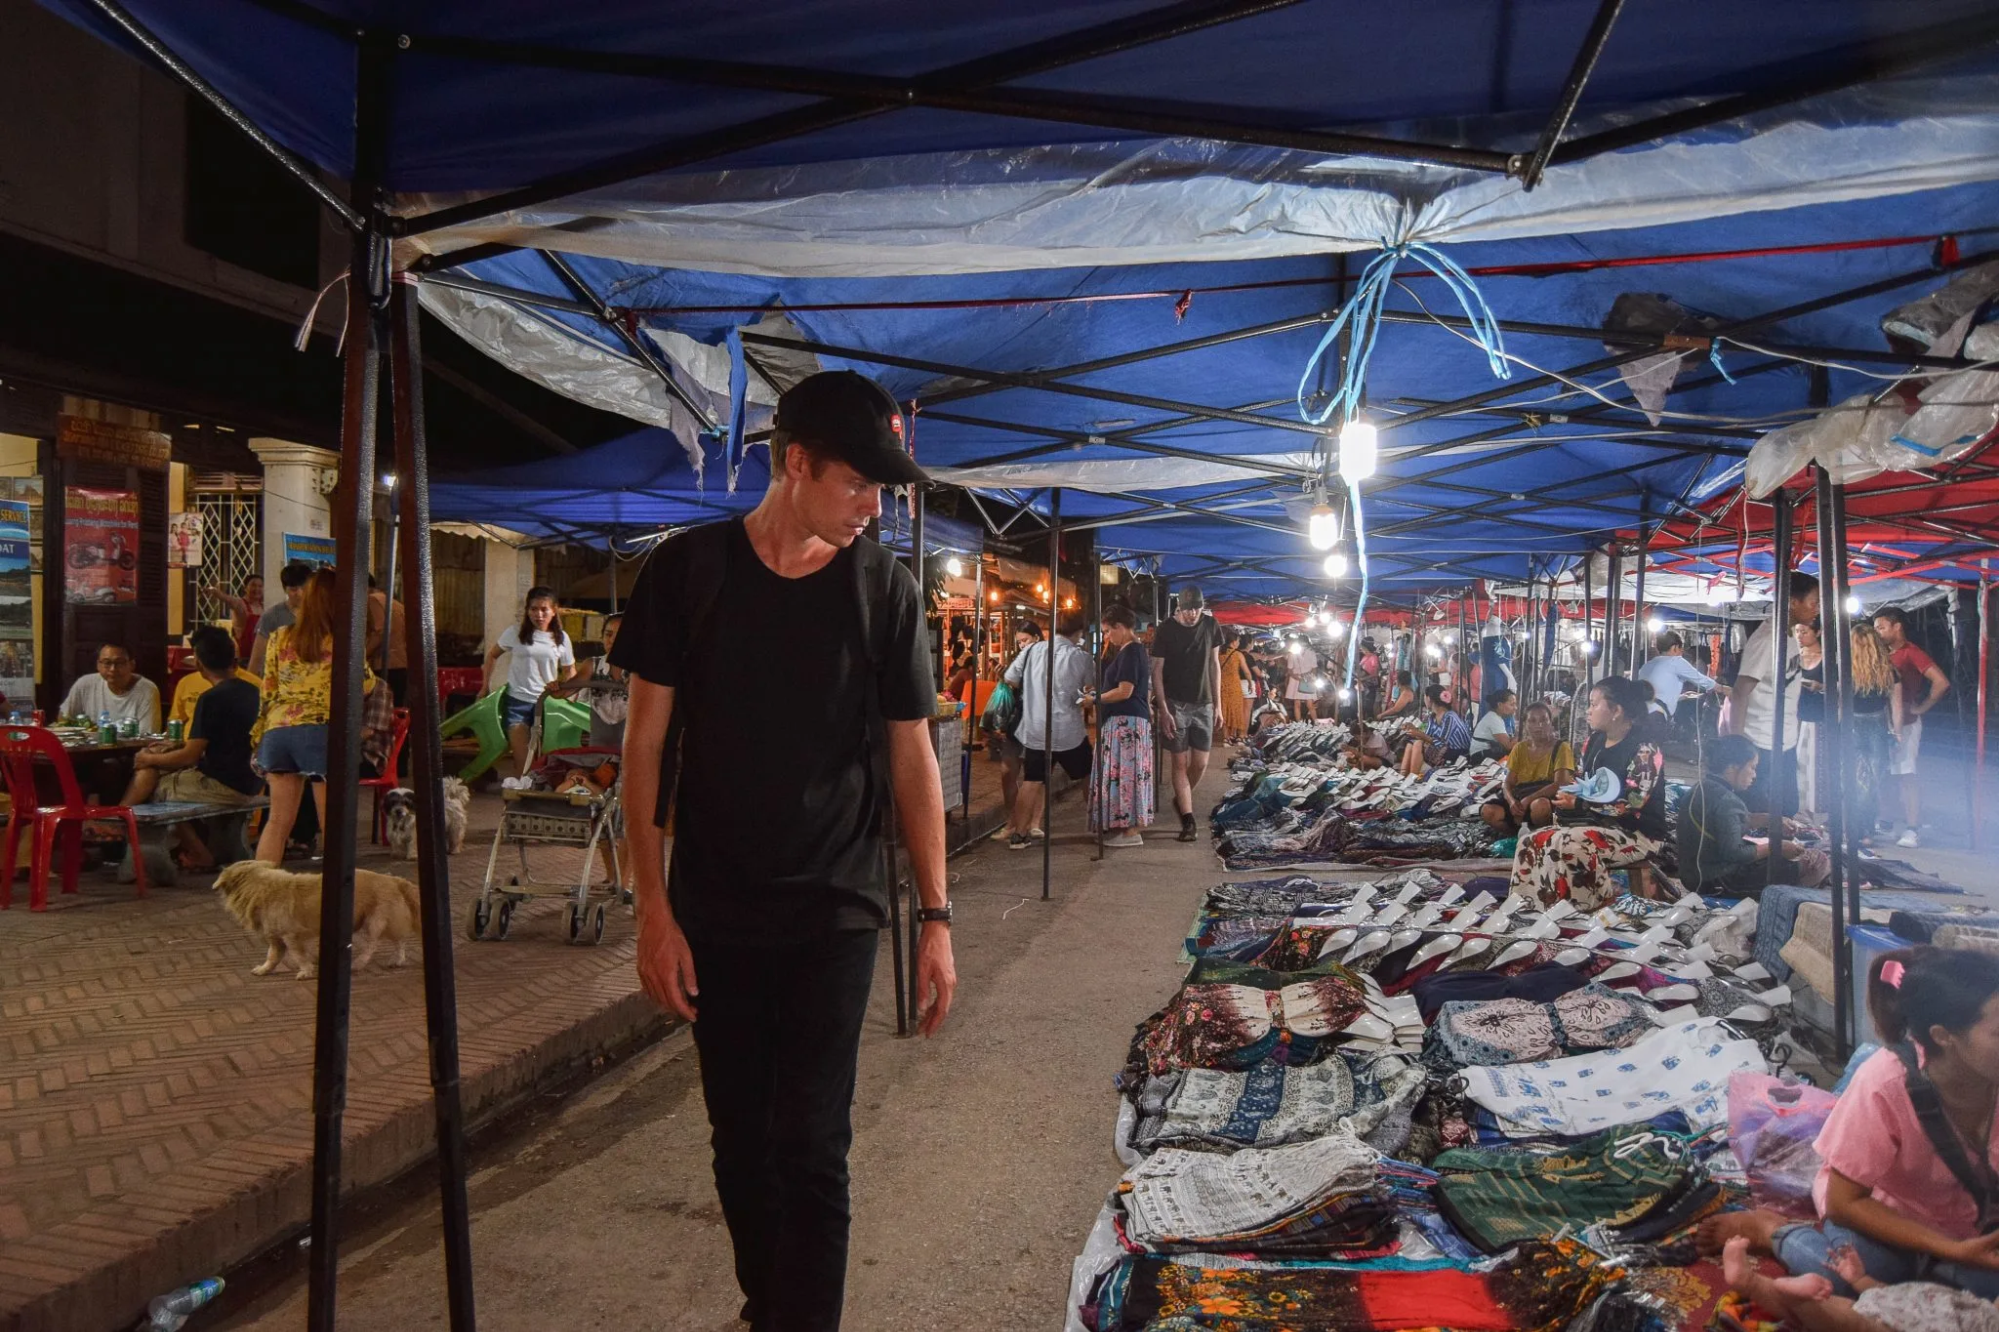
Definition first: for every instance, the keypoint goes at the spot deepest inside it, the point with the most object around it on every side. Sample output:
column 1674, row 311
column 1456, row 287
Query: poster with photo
column 184, row 540
column 301, row 548
column 17, row 608
column 101, row 548
column 26, row 491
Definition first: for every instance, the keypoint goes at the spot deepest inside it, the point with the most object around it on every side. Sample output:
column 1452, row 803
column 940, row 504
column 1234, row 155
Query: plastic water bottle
column 171, row 1310
column 107, row 731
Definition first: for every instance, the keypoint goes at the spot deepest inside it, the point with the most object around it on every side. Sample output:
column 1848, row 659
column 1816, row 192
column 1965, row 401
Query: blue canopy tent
column 580, row 187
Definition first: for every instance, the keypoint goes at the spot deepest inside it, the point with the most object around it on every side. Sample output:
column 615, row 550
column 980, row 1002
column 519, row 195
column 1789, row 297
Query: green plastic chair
column 565, row 724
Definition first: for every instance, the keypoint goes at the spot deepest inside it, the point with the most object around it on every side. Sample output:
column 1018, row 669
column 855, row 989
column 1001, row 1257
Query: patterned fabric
column 1499, row 1197
column 1513, row 1031
column 1449, row 732
column 1178, row 1197
column 1574, row 861
column 1543, row 1286
column 1684, row 1067
column 1931, row 1305
column 1237, row 1027
column 1121, row 794
column 297, row 693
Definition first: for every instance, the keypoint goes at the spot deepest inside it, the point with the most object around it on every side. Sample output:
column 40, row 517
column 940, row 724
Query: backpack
column 874, row 570
column 1003, row 711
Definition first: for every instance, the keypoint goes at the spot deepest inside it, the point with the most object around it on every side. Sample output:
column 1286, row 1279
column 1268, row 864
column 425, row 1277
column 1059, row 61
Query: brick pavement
column 155, row 1098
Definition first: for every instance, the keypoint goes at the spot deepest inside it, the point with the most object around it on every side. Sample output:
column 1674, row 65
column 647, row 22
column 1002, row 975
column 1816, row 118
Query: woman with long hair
column 1238, row 688
column 1121, row 790
column 1539, row 763
column 297, row 705
column 1877, row 720
column 1573, row 857
column 538, row 655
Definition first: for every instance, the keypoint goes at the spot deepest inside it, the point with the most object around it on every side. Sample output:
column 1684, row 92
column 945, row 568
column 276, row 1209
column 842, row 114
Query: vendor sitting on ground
column 1573, row 857
column 1892, row 1181
column 1493, row 737
column 116, row 689
column 1538, row 765
column 1443, row 740
column 1718, row 853
column 211, row 766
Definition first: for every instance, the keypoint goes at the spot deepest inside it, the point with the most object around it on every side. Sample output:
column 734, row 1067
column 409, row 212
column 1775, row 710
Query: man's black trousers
column 779, row 1032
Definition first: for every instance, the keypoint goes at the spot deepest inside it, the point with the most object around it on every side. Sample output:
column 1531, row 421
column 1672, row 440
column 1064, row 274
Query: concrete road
column 980, row 1159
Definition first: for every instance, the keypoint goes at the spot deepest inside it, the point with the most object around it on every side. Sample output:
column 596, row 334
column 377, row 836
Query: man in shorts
column 1187, row 696
column 1065, row 729
column 1922, row 683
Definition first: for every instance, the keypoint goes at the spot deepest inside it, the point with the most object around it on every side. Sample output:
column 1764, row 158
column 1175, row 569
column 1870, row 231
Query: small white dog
column 399, row 815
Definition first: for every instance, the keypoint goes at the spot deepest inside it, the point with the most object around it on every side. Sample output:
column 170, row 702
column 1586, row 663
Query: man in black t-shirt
column 1187, row 696
column 211, row 766
column 792, row 653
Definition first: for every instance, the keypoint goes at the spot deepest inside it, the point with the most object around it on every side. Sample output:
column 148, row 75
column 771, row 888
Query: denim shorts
column 1804, row 1248
column 299, row 750
column 516, row 711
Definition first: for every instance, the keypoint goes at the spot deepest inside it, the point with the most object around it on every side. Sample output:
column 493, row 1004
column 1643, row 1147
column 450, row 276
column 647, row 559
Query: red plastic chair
column 20, row 747
column 388, row 781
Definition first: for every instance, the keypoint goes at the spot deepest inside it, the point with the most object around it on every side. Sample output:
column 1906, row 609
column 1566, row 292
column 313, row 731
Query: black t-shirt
column 1188, row 656
column 1130, row 664
column 223, row 716
column 775, row 815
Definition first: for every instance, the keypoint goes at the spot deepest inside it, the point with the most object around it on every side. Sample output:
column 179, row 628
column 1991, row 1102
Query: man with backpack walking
column 763, row 935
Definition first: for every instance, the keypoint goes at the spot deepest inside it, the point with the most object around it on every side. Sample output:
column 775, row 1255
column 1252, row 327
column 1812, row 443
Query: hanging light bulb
column 1335, row 628
column 1336, row 565
column 1311, row 620
column 1359, row 450
column 993, row 597
column 1655, row 624
column 1323, row 528
column 1433, row 650
column 954, row 567
column 1589, row 647
column 1853, row 604
column 1346, row 695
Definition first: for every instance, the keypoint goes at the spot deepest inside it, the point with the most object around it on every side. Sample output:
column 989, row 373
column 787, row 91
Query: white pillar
column 298, row 479
column 509, row 575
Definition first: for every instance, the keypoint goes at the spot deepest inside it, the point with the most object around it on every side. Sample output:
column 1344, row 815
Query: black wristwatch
column 935, row 913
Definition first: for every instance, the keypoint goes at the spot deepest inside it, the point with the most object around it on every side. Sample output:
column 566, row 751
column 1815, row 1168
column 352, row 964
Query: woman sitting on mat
column 1539, row 764
column 1909, row 1173
column 1573, row 857
column 1444, row 739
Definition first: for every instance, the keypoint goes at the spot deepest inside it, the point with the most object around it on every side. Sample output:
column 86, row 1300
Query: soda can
column 175, row 730
column 41, row 718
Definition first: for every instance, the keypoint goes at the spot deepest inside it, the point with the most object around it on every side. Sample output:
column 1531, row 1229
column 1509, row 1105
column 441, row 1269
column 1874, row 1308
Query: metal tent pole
column 611, row 545
column 1048, row 695
column 1589, row 627
column 1780, row 643
column 1096, row 682
column 1835, row 718
column 917, row 567
column 1613, row 607
column 978, row 668
column 1850, row 850
column 1984, row 675
column 440, row 993
column 1641, row 638
column 367, row 297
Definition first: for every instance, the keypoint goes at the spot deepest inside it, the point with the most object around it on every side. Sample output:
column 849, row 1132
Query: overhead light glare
column 1323, row 528
column 1336, row 565
column 1654, row 624
column 954, row 567
column 1359, row 450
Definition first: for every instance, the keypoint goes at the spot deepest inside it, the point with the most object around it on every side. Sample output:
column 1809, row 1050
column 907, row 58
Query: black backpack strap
column 1979, row 1184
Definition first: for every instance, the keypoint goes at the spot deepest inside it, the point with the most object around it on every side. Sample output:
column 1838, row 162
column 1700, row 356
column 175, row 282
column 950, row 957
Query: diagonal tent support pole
column 1048, row 698
column 1848, row 852
column 630, row 338
column 440, row 995
column 1572, row 91
column 353, row 502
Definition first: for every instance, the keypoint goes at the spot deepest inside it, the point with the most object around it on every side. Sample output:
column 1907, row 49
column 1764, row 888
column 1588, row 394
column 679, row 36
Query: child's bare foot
column 1758, row 1226
column 1845, row 1261
column 1736, row 1265
column 1804, row 1286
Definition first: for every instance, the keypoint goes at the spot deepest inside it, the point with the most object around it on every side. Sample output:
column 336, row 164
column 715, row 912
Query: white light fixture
column 1323, row 528
column 1336, row 565
column 1319, row 682
column 954, row 567
column 1346, row 695
column 1589, row 647
column 1359, row 450
column 1335, row 628
column 1655, row 624
column 1432, row 650
column 389, row 480
column 1852, row 604
column 1311, row 620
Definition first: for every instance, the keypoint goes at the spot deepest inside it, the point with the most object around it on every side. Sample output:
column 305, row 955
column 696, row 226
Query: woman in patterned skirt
column 1573, row 857
column 1121, row 793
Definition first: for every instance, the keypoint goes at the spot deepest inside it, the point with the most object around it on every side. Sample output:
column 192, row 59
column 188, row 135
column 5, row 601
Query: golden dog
column 283, row 908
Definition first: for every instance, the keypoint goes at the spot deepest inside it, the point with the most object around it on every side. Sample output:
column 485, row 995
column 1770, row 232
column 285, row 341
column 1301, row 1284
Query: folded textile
column 1546, row 981
column 1498, row 1197
column 1543, row 1286
column 1215, row 1026
column 1683, row 1067
column 1272, row 1104
column 1514, row 1031
column 1181, row 1197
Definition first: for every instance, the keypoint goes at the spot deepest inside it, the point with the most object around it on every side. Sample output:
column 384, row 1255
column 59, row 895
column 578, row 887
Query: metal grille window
column 231, row 509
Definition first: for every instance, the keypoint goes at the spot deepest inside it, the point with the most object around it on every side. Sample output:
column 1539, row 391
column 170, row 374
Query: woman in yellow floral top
column 297, row 706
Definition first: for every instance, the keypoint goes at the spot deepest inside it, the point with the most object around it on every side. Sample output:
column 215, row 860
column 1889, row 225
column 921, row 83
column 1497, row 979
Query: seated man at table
column 212, row 766
column 116, row 689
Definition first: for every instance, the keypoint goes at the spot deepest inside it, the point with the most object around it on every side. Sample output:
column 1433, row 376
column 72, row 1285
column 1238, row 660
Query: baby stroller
column 573, row 802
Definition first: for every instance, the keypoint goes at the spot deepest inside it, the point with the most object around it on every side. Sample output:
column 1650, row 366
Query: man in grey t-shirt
column 292, row 578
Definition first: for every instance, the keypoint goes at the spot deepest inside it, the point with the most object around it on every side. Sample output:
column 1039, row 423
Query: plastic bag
column 1772, row 1126
column 1002, row 715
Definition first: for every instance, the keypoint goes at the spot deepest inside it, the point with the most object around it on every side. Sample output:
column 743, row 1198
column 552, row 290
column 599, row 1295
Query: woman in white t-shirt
column 538, row 654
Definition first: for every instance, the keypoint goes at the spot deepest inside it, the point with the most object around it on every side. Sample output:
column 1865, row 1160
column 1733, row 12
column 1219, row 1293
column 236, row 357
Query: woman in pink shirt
column 1884, row 1187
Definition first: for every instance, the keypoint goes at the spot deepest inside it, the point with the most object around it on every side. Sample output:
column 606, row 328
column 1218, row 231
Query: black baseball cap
column 1190, row 599
column 850, row 417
